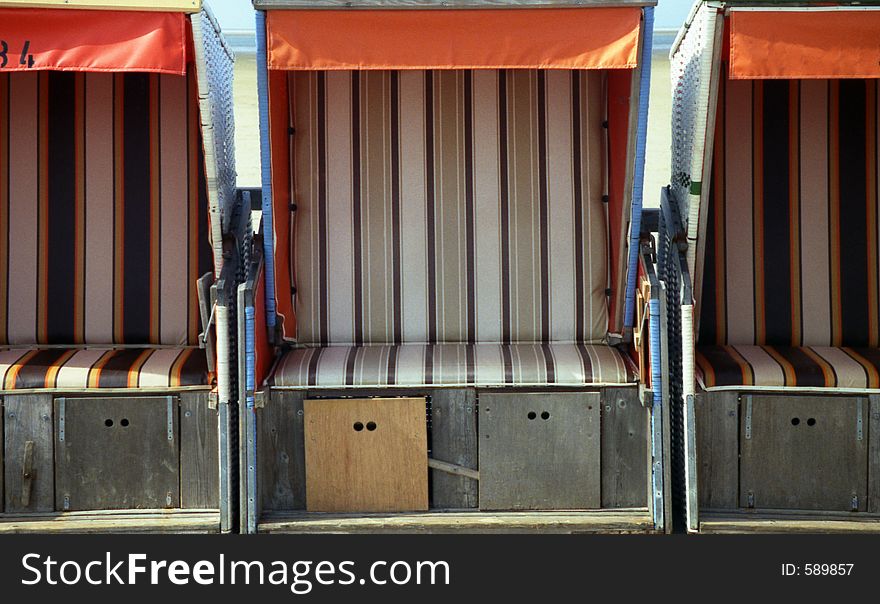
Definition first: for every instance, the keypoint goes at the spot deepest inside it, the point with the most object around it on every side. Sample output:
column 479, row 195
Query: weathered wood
column 803, row 452
column 599, row 521
column 451, row 468
column 199, row 452
column 624, row 448
column 540, row 451
column 281, row 469
column 789, row 523
column 717, row 425
column 186, row 6
column 28, row 418
column 2, row 464
column 873, row 436
column 454, row 440
column 154, row 521
column 116, row 453
column 366, row 455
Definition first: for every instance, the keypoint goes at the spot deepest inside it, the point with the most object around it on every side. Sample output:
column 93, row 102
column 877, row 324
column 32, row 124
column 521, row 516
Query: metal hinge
column 751, row 500
column 854, row 503
column 748, row 418
column 61, row 419
column 170, row 417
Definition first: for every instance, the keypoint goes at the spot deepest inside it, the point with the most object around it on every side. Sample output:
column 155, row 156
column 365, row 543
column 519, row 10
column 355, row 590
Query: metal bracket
column 213, row 400
column 170, row 400
column 646, row 396
column 27, row 473
column 748, row 418
column 859, row 432
column 854, row 503
column 66, row 503
column 61, row 419
column 261, row 398
column 751, row 500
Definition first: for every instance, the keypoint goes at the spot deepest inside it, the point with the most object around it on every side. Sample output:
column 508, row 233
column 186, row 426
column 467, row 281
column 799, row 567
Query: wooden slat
column 194, row 521
column 776, row 523
column 717, row 432
column 199, row 452
column 454, row 440
column 873, row 436
column 281, row 470
column 616, row 521
column 176, row 6
column 29, row 419
column 367, row 455
column 624, row 449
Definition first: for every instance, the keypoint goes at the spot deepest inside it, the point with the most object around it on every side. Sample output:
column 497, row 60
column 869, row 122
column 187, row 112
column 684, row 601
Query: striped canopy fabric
column 789, row 366
column 103, row 209
column 100, row 368
column 453, row 365
column 792, row 236
column 449, row 207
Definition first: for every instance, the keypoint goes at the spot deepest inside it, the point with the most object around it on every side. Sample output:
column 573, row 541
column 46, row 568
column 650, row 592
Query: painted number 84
column 25, row 58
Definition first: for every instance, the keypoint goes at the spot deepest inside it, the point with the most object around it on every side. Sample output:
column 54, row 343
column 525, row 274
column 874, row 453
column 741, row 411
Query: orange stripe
column 873, row 375
column 4, row 203
column 707, row 369
column 794, row 205
column 748, row 374
column 787, row 368
column 827, row 369
column 193, row 231
column 134, row 372
column 834, row 213
column 95, row 370
column 80, row 212
column 43, row 211
column 871, row 213
column 720, row 235
column 758, row 195
column 118, row 208
column 52, row 372
column 155, row 204
column 12, row 374
column 177, row 368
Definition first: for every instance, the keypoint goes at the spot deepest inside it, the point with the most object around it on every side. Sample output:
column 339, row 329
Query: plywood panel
column 29, row 480
column 281, row 466
column 454, row 440
column 717, row 434
column 116, row 453
column 199, row 452
column 624, row 449
column 366, row 455
column 804, row 452
column 539, row 451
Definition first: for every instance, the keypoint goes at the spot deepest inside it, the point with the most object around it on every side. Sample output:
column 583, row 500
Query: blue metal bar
column 266, row 171
column 656, row 413
column 639, row 176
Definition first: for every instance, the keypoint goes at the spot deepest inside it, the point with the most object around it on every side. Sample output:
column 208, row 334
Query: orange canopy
column 595, row 38
column 66, row 40
column 808, row 44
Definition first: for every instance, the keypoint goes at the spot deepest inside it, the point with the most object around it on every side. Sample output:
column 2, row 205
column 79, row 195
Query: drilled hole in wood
column 811, row 421
column 371, row 426
column 795, row 421
column 124, row 422
column 545, row 415
column 358, row 426
column 532, row 415
column 108, row 422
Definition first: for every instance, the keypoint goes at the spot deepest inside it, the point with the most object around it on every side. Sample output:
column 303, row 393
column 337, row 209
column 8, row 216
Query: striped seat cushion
column 787, row 366
column 792, row 238
column 413, row 365
column 449, row 206
column 94, row 368
column 103, row 209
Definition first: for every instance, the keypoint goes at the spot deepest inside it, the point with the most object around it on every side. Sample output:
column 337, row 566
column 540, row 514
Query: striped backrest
column 792, row 236
column 449, row 206
column 103, row 209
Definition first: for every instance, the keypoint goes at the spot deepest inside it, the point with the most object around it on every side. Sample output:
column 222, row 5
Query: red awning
column 579, row 38
column 70, row 40
column 807, row 44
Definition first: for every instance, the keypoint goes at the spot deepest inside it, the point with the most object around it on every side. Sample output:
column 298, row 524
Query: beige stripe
column 99, row 209
column 339, row 211
column 8, row 358
column 767, row 370
column 815, row 277
column 850, row 373
column 487, row 194
column 331, row 369
column 174, row 280
column 75, row 373
column 23, row 182
column 414, row 288
column 156, row 370
column 410, row 364
column 739, row 251
column 561, row 205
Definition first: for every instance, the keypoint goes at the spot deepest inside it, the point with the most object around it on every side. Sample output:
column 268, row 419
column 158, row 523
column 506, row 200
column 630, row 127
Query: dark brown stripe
column 195, row 369
column 430, row 203
column 136, row 159
column 391, row 368
column 397, row 275
column 324, row 327
column 505, row 208
column 33, row 373
column 853, row 224
column 314, row 363
column 429, row 364
column 470, row 353
column 61, row 219
column 577, row 177
column 356, row 206
column 543, row 208
column 807, row 371
column 585, row 359
column 549, row 363
column 349, row 365
column 114, row 374
column 507, row 361
column 727, row 370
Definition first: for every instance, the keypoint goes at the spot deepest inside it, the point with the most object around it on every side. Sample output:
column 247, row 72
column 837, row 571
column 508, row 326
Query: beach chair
column 117, row 183
column 451, row 322
column 769, row 253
